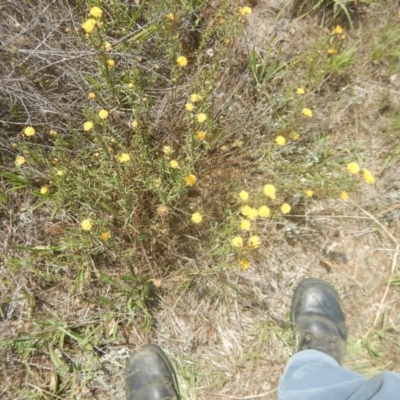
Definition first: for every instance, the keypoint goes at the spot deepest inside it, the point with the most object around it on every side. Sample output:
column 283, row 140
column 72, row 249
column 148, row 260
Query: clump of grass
column 167, row 159
column 344, row 10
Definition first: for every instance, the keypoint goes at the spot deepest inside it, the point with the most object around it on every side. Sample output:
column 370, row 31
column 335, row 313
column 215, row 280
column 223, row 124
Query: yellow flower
column 244, row 196
column 270, row 191
column 29, row 131
column 89, row 25
column 59, row 172
column 245, row 225
column 264, row 212
column 134, row 124
column 131, row 85
column 368, row 177
column 190, row 180
column 245, row 210
column 201, row 135
column 344, row 196
column 294, row 136
column 245, row 11
column 170, row 17
column 53, row 132
column 254, row 242
column 244, row 263
column 96, row 12
column 105, row 236
column 174, row 164
column 353, row 168
column 300, row 90
column 86, row 224
column 252, row 214
column 189, row 107
column 103, row 114
column 111, row 63
column 338, row 30
column 182, row 61
column 87, row 126
column 285, row 208
column 194, row 98
column 307, row 112
column 309, row 193
column 44, row 190
column 123, row 157
column 237, row 241
column 107, row 46
column 20, row 160
column 201, row 117
column 167, row 150
column 332, row 51
column 280, row 140
column 197, row 218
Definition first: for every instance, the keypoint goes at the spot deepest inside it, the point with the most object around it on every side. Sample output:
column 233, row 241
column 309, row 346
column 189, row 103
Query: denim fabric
column 313, row 375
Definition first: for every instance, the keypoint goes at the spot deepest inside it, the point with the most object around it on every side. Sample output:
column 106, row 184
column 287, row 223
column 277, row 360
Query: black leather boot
column 317, row 319
column 149, row 375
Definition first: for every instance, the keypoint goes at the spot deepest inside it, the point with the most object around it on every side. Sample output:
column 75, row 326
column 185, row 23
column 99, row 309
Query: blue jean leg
column 312, row 375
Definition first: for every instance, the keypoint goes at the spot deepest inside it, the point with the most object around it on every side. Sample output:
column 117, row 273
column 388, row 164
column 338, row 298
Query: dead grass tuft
column 75, row 302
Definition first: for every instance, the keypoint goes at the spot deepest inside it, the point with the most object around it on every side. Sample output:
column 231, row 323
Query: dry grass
column 73, row 305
